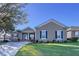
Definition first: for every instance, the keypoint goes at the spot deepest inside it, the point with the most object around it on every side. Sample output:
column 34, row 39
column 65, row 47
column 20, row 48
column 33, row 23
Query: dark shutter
column 62, row 34
column 56, row 34
column 46, row 34
column 40, row 34
column 29, row 36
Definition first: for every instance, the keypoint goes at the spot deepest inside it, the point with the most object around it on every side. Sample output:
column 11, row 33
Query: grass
column 50, row 49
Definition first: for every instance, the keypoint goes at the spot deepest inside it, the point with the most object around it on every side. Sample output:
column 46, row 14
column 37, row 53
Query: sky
column 68, row 14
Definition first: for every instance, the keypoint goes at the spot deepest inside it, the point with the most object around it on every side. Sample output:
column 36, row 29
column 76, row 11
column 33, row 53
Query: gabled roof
column 28, row 29
column 51, row 20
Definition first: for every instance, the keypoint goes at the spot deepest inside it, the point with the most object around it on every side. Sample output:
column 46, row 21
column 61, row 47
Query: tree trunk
column 4, row 36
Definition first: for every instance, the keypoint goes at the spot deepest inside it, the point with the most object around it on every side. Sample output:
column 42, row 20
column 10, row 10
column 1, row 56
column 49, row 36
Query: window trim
column 60, row 35
column 46, row 34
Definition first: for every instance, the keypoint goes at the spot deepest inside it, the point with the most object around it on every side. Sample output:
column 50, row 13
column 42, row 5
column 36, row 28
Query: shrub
column 65, row 41
column 36, row 41
column 5, row 41
column 68, row 38
column 60, row 41
column 18, row 39
column 53, row 41
column 47, row 41
column 73, row 39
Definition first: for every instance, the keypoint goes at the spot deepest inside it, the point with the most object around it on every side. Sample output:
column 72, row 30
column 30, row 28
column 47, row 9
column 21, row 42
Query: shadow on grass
column 29, row 51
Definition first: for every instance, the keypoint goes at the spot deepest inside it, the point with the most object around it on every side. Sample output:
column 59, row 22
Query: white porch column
column 28, row 36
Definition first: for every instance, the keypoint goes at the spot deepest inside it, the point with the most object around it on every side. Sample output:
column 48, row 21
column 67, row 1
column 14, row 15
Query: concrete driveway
column 11, row 48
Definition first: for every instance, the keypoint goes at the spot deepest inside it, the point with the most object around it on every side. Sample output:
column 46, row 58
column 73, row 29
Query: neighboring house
column 73, row 31
column 4, row 36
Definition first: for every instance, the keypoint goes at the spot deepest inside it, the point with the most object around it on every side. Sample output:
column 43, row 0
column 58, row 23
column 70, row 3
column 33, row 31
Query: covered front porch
column 27, row 34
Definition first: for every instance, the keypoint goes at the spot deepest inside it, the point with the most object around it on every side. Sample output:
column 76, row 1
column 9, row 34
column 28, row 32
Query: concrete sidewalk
column 11, row 48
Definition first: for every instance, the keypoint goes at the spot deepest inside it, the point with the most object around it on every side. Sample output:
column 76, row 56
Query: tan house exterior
column 73, row 31
column 51, row 27
column 50, row 30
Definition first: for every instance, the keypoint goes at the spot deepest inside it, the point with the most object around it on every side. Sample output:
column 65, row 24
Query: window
column 43, row 34
column 77, row 34
column 59, row 34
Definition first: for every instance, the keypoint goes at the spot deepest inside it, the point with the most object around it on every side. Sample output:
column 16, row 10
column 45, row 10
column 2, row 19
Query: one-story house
column 47, row 31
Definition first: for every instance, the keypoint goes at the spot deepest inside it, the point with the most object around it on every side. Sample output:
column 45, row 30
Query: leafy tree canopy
column 11, row 14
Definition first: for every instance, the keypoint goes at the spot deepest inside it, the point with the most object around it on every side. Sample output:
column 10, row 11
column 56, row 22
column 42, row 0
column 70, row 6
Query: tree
column 11, row 14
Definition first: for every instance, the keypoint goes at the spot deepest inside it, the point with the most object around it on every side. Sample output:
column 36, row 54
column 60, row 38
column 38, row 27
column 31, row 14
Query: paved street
column 11, row 48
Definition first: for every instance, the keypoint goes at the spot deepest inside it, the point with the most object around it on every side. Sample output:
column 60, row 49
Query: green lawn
column 50, row 49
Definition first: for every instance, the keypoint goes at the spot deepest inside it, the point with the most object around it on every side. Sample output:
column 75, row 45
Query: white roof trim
column 51, row 20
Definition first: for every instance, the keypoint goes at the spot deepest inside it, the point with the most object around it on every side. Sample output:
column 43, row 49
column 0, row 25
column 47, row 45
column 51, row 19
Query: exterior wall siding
column 51, row 28
column 71, row 33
